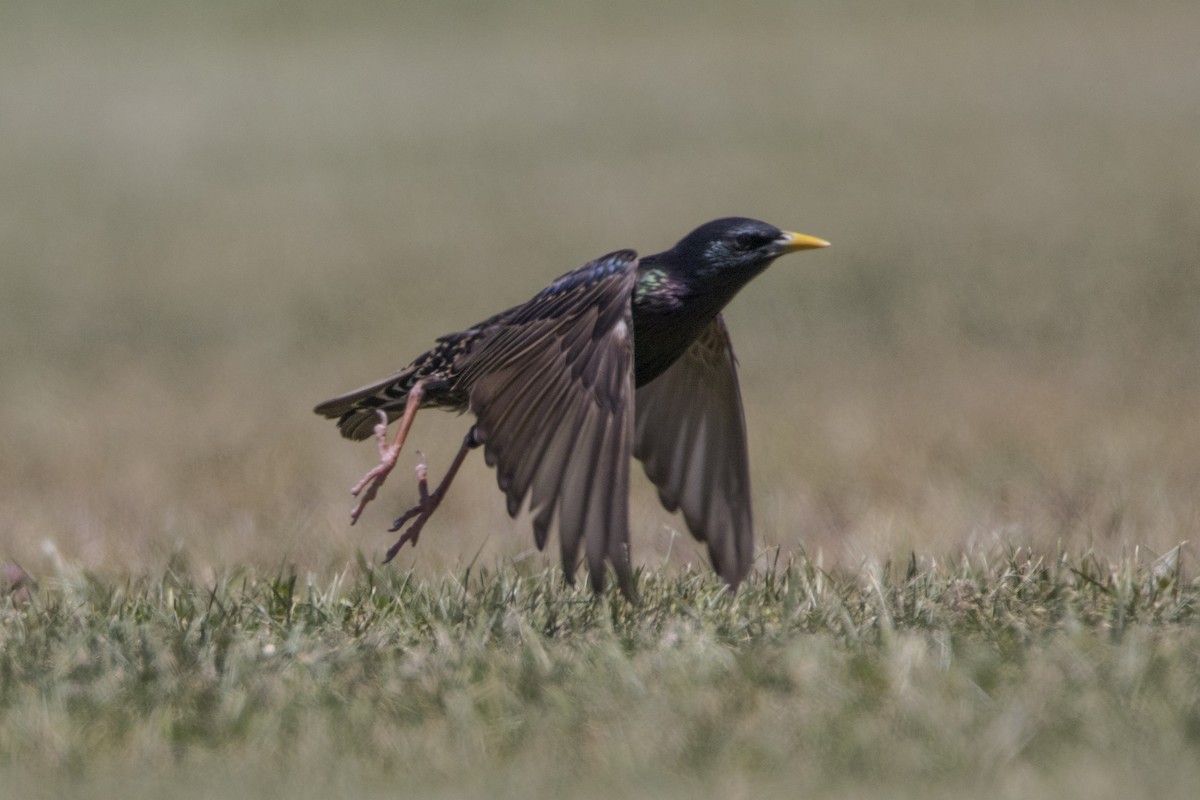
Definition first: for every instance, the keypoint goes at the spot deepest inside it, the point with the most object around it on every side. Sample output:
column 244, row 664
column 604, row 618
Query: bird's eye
column 747, row 241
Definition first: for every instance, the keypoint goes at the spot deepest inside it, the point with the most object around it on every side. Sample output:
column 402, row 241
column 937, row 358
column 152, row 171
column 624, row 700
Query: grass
column 214, row 216
column 1018, row 675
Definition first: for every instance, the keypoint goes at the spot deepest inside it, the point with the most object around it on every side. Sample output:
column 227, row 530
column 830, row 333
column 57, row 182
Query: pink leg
column 429, row 502
column 387, row 455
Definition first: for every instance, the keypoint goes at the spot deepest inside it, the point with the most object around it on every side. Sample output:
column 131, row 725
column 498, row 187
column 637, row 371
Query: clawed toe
column 366, row 489
column 414, row 531
column 371, row 482
column 423, row 510
column 426, row 505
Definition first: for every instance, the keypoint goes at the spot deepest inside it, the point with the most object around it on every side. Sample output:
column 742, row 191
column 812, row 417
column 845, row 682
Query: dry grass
column 212, row 221
column 212, row 217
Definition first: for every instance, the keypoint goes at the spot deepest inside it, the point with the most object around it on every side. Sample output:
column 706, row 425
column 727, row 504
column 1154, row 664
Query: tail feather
column 357, row 412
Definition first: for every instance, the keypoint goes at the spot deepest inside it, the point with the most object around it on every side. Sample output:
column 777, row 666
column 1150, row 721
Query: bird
column 624, row 356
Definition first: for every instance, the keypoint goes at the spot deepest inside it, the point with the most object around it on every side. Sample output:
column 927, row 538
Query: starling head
column 735, row 249
column 680, row 291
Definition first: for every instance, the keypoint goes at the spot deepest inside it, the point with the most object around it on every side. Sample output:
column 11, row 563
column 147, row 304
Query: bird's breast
column 661, row 336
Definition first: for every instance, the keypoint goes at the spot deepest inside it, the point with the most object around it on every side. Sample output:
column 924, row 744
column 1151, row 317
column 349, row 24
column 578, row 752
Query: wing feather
column 690, row 435
column 552, row 391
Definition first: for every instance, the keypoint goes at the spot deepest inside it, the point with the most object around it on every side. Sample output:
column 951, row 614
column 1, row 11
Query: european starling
column 621, row 356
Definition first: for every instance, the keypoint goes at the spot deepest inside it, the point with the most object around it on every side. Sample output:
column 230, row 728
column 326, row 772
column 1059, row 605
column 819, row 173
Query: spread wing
column 691, row 438
column 552, row 390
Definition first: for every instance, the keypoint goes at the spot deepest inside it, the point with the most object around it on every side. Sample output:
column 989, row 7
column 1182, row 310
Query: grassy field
column 1020, row 677
column 213, row 216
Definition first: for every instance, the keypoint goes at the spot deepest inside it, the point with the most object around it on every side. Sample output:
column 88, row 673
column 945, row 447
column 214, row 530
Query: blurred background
column 213, row 216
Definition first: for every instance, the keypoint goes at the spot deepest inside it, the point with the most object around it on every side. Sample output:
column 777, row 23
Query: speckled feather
column 457, row 359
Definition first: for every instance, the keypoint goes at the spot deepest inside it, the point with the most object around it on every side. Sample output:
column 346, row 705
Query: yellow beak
column 791, row 242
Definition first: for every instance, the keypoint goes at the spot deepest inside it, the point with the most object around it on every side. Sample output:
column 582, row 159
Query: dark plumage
column 621, row 356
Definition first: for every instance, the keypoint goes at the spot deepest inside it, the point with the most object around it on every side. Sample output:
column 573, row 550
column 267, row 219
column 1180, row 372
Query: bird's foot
column 423, row 510
column 388, row 455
